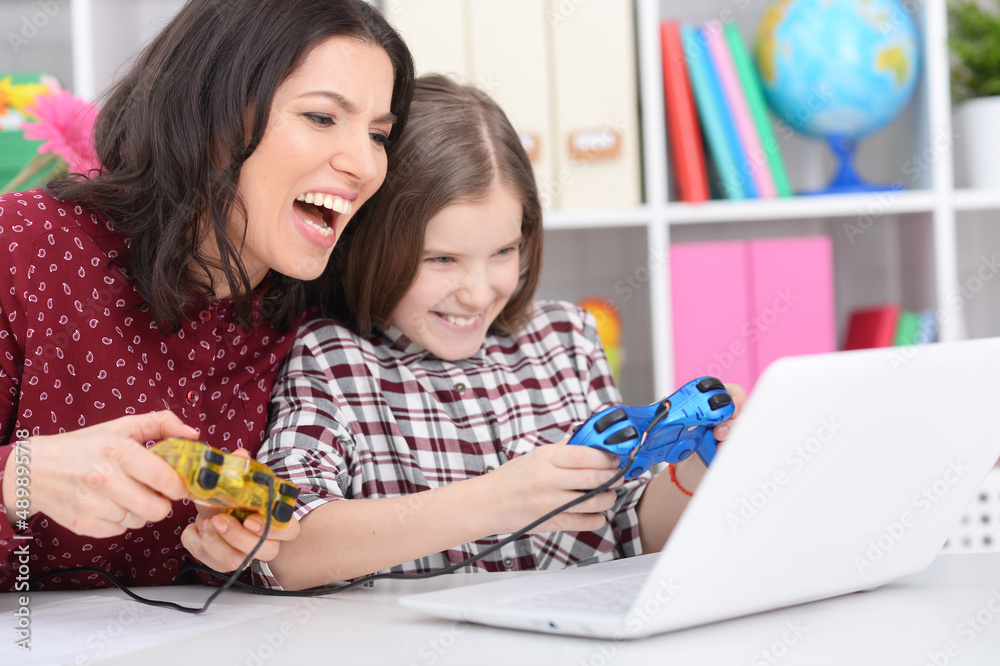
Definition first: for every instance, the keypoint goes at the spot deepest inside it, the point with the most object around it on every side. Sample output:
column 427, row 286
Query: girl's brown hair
column 457, row 147
column 174, row 133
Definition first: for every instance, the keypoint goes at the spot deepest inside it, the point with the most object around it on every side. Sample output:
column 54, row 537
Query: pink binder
column 792, row 292
column 739, row 305
column 710, row 305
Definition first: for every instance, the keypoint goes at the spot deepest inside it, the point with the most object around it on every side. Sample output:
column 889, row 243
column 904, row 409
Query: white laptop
column 844, row 472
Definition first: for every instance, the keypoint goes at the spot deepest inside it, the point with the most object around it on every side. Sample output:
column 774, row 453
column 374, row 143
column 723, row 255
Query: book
column 721, row 105
column 683, row 131
column 750, row 79
column 916, row 328
column 872, row 327
column 929, row 325
column 755, row 159
column 907, row 328
column 711, row 112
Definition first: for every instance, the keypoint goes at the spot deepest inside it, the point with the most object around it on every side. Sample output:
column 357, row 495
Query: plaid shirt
column 381, row 417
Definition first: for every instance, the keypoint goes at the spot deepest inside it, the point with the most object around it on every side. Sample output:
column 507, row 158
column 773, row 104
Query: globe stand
column 846, row 180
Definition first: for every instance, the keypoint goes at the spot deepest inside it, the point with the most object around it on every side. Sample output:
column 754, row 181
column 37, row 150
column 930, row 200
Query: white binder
column 509, row 61
column 436, row 33
column 596, row 102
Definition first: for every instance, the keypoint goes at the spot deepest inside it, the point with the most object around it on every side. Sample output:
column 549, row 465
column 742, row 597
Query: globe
column 838, row 69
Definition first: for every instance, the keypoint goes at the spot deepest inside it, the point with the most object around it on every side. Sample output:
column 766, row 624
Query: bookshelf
column 921, row 246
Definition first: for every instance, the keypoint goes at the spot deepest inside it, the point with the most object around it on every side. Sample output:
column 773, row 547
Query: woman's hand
column 222, row 542
column 739, row 397
column 527, row 487
column 101, row 481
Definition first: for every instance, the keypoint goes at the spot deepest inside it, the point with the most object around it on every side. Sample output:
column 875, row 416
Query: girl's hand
column 222, row 542
column 101, row 481
column 530, row 486
column 739, row 397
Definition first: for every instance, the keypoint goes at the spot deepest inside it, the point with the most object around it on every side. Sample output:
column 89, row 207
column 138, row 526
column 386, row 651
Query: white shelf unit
column 913, row 240
column 922, row 245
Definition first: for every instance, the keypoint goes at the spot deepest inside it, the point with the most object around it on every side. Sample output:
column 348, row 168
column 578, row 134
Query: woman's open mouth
column 321, row 211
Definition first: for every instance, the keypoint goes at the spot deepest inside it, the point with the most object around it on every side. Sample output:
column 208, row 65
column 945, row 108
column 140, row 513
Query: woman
column 166, row 289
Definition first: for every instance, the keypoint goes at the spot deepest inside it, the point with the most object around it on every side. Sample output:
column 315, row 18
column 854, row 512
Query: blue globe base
column 847, row 180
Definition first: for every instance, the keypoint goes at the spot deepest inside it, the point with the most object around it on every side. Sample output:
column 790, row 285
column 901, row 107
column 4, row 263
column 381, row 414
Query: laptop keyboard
column 614, row 596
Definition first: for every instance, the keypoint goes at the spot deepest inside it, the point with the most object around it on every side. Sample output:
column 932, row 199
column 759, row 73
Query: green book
column 908, row 329
column 750, row 81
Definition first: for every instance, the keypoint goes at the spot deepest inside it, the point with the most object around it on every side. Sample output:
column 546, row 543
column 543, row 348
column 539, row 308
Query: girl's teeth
column 458, row 321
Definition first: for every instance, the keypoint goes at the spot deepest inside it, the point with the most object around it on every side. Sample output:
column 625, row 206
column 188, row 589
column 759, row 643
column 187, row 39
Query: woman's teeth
column 330, row 201
column 323, row 230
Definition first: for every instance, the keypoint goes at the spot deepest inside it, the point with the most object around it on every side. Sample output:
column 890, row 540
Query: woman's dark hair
column 174, row 133
column 457, row 147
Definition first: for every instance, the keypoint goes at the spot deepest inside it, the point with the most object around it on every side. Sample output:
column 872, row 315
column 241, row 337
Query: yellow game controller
column 232, row 483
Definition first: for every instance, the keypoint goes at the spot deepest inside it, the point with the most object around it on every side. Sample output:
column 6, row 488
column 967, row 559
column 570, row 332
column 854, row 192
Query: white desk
column 922, row 620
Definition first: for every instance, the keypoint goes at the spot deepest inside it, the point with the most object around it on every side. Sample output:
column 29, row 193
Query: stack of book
column 888, row 326
column 712, row 89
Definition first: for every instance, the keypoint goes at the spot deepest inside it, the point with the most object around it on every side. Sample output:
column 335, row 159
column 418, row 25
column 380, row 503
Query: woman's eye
column 319, row 119
column 441, row 260
column 507, row 251
column 381, row 139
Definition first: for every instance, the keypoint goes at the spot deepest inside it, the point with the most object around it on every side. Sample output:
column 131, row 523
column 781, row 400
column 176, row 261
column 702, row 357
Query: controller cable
column 232, row 579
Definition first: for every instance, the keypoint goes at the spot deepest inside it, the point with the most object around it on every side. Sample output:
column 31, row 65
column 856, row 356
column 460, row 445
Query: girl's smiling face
column 468, row 271
column 322, row 156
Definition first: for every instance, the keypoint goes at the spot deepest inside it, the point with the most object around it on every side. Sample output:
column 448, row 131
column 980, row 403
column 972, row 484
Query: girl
column 233, row 155
column 431, row 417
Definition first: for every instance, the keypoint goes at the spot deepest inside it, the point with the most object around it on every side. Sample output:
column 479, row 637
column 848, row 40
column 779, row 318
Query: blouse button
column 460, row 387
column 192, row 397
column 205, row 316
column 171, row 563
column 508, row 563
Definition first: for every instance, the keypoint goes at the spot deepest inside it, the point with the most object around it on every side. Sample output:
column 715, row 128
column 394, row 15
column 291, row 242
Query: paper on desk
column 81, row 630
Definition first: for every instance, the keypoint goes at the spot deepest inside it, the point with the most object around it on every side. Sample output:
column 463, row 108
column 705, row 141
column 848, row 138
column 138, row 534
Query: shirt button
column 192, row 397
column 508, row 563
column 205, row 316
column 460, row 387
column 171, row 563
column 489, row 468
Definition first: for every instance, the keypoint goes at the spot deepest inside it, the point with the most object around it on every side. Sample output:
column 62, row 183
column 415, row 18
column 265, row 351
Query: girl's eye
column 441, row 260
column 319, row 119
column 381, row 139
column 507, row 251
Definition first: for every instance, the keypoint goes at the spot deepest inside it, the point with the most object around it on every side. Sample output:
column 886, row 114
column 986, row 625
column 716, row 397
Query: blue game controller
column 678, row 426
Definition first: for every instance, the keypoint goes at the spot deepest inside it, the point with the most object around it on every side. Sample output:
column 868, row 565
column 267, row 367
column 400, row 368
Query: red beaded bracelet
column 673, row 477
